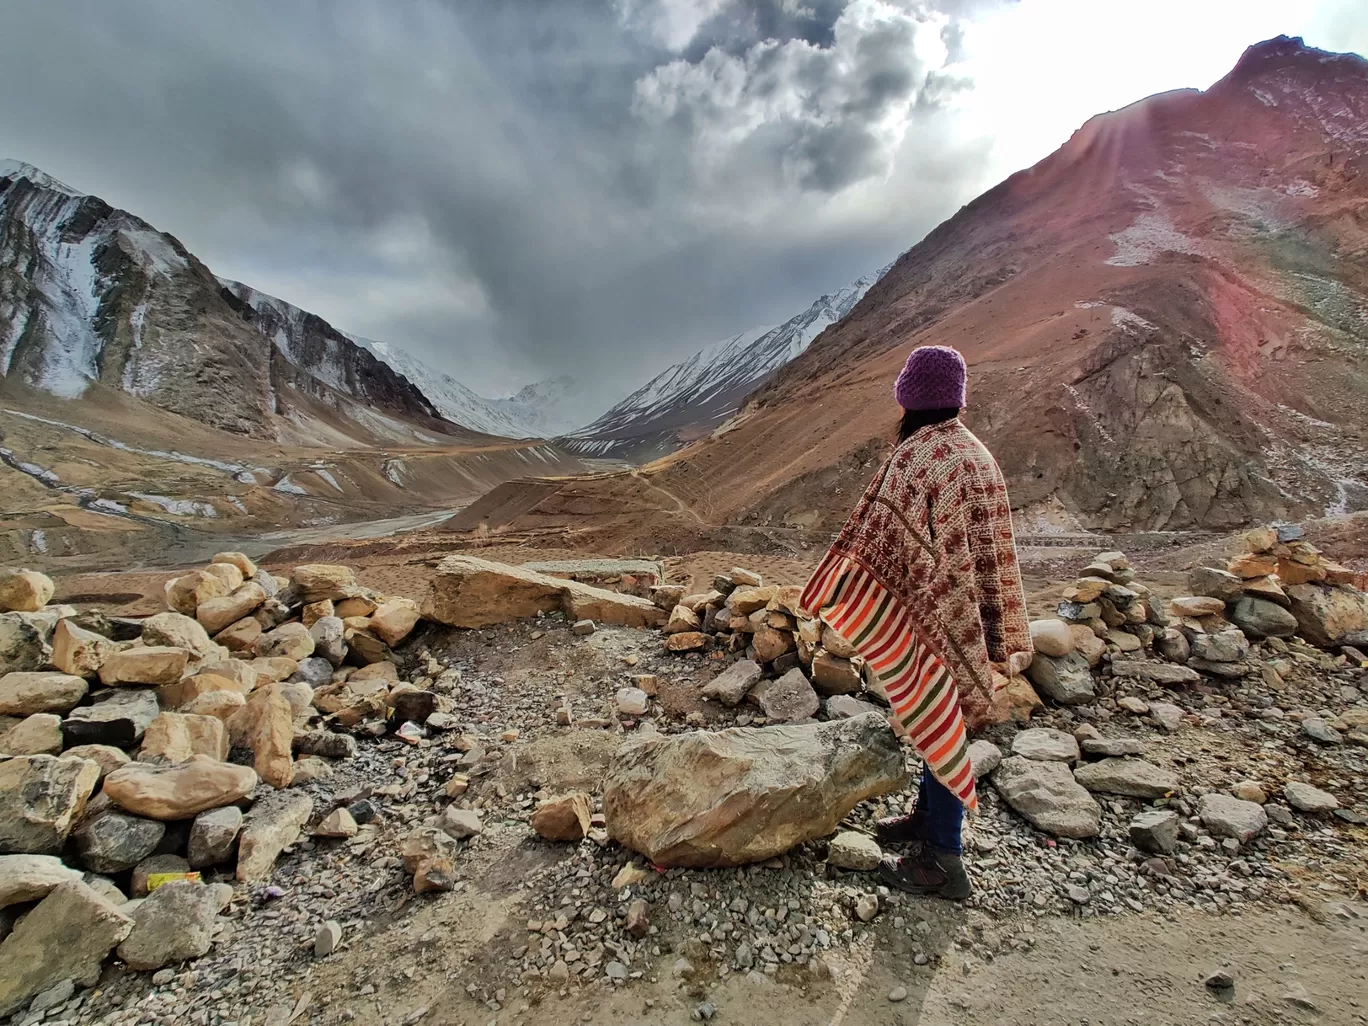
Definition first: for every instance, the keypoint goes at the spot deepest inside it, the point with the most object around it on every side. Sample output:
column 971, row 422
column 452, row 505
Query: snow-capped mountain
column 556, row 406
column 452, row 399
column 686, row 401
column 94, row 297
column 544, row 409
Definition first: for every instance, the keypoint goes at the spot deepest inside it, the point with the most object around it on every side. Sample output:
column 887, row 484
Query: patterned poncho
column 924, row 581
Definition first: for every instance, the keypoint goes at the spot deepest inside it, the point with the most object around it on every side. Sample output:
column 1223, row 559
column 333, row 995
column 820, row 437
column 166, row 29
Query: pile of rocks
column 115, row 742
column 1281, row 585
column 792, row 667
column 457, row 746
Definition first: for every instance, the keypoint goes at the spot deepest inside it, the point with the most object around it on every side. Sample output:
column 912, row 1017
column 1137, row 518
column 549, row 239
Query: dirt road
column 1288, row 967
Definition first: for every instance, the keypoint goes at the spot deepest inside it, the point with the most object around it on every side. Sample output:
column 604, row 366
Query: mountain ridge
column 697, row 394
column 92, row 296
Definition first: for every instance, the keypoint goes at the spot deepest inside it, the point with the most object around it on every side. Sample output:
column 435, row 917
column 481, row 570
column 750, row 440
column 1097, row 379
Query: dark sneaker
column 934, row 874
column 900, row 829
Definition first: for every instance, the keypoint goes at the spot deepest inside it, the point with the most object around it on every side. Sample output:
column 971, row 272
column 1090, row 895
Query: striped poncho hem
column 907, row 671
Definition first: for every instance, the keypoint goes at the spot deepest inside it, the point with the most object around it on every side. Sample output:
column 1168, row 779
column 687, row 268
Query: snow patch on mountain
column 710, row 385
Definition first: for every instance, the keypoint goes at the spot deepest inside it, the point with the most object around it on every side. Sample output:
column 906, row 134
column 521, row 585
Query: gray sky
column 519, row 188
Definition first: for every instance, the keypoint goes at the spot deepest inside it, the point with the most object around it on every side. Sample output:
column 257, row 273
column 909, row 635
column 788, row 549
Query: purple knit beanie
column 932, row 379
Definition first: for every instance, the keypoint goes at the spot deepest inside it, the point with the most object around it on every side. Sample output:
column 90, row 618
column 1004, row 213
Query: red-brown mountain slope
column 1166, row 322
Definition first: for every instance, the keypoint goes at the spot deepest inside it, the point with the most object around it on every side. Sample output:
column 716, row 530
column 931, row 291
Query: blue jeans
column 943, row 811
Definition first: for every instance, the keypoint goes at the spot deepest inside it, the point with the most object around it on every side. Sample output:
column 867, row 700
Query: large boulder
column 217, row 613
column 289, row 641
column 172, row 924
column 745, row 795
column 25, row 642
column 23, row 694
column 834, row 675
column 78, row 651
column 272, row 825
column 1260, row 618
column 1045, row 744
column 41, row 797
column 1134, row 778
column 270, row 734
column 66, row 937
column 1215, row 583
column 1052, row 637
column 564, row 818
column 39, row 734
column 24, row 591
column 145, row 664
column 1330, row 616
column 1067, row 680
column 111, row 841
column 179, row 792
column 213, row 837
column 1046, row 795
column 329, row 639
column 731, row 686
column 175, row 630
column 118, row 717
column 185, row 594
column 1227, row 646
column 26, row 878
column 471, row 592
column 318, row 581
column 394, row 619
column 582, row 602
column 786, row 699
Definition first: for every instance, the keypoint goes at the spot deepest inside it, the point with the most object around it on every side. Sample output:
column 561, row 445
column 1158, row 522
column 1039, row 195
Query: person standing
column 923, row 582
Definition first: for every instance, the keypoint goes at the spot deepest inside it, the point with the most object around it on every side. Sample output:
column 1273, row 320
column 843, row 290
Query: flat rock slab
column 1046, row 745
column 1133, row 778
column 746, row 795
column 1104, row 747
column 1306, row 798
column 1168, row 674
column 471, row 592
column 1225, row 816
column 1046, row 795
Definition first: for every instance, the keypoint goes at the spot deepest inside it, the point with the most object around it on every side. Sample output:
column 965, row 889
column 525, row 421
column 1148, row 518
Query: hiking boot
column 907, row 829
column 934, row 874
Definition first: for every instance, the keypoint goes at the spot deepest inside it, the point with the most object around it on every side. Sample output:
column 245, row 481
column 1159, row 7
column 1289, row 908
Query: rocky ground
column 1091, row 930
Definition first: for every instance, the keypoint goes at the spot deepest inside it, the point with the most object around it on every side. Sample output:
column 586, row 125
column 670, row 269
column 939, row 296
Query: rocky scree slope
column 691, row 398
column 1166, row 322
column 92, row 296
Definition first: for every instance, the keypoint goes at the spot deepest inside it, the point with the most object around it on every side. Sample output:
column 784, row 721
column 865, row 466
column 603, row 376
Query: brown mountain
column 1166, row 319
column 1166, row 322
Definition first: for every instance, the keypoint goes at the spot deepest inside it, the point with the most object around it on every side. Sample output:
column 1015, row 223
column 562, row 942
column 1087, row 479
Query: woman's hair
column 915, row 420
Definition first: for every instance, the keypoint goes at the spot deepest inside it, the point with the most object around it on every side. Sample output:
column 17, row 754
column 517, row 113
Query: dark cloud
column 510, row 189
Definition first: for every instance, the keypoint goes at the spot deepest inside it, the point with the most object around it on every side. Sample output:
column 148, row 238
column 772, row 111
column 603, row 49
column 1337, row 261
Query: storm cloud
column 510, row 189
